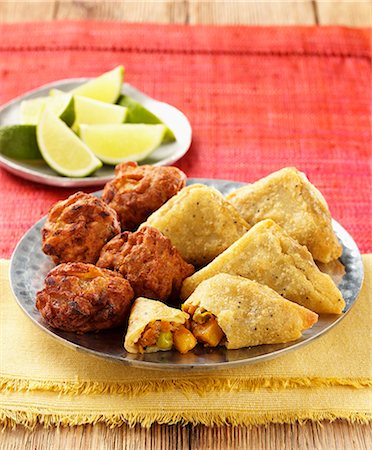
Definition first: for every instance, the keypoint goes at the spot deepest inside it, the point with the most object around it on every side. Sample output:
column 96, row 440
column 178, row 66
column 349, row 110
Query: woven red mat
column 258, row 99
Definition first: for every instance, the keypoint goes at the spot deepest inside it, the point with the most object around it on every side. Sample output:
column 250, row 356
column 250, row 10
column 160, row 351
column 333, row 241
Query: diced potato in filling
column 204, row 326
column 208, row 333
column 184, row 340
column 161, row 335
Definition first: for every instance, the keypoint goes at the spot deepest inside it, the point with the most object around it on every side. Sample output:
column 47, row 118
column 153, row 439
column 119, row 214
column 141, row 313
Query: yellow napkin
column 42, row 380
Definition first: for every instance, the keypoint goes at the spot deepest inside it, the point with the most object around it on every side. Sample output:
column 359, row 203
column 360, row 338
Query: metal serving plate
column 29, row 267
column 165, row 155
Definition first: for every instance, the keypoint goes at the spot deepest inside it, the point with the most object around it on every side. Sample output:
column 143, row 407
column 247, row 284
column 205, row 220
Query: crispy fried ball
column 138, row 191
column 78, row 228
column 149, row 261
column 81, row 297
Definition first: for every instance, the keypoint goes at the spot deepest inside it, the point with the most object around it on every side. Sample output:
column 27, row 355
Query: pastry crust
column 199, row 222
column 250, row 313
column 267, row 254
column 288, row 198
column 143, row 312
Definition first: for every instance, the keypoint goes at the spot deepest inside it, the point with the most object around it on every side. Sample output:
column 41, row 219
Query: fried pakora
column 77, row 228
column 149, row 261
column 138, row 191
column 81, row 297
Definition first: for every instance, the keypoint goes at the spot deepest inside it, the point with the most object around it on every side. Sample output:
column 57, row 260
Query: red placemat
column 258, row 98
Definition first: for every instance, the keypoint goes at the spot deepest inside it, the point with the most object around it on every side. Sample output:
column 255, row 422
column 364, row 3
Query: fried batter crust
column 149, row 261
column 77, row 228
column 138, row 191
column 81, row 297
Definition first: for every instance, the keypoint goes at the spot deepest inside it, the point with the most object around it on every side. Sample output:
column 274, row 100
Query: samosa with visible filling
column 236, row 312
column 200, row 223
column 154, row 326
column 288, row 198
column 268, row 255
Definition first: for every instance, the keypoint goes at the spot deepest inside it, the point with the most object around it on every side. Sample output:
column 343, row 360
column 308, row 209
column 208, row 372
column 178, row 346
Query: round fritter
column 78, row 228
column 81, row 297
column 149, row 261
column 137, row 191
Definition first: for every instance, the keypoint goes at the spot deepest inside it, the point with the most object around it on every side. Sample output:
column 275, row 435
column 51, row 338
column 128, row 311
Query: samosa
column 268, row 255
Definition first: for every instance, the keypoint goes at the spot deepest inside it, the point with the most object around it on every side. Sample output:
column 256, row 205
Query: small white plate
column 165, row 155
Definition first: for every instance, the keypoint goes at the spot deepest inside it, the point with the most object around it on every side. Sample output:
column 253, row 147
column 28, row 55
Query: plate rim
column 60, row 181
column 149, row 365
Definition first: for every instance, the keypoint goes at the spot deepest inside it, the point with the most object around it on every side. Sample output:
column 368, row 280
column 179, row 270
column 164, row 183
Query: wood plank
column 350, row 13
column 251, row 12
column 158, row 437
column 23, row 11
column 327, row 436
column 160, row 11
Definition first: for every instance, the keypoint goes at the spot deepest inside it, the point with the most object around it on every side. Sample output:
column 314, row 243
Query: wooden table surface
column 338, row 435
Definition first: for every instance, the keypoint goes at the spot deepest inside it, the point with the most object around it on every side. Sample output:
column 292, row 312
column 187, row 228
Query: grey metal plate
column 29, row 267
column 165, row 155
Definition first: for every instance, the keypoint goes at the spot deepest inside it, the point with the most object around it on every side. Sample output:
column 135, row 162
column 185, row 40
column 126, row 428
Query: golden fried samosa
column 288, row 198
column 246, row 313
column 268, row 255
column 200, row 223
column 154, row 326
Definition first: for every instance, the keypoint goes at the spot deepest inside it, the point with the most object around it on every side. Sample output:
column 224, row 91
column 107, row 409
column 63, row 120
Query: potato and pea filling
column 204, row 326
column 163, row 335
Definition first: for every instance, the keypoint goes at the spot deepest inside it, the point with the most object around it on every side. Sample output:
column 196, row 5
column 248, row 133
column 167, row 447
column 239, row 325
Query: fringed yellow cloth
column 43, row 381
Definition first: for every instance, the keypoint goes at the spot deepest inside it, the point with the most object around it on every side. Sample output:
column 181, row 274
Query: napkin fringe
column 29, row 419
column 198, row 385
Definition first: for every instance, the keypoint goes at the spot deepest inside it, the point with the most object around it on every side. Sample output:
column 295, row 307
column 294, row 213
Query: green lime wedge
column 91, row 111
column 114, row 144
column 54, row 92
column 62, row 149
column 105, row 88
column 19, row 142
column 61, row 105
column 139, row 114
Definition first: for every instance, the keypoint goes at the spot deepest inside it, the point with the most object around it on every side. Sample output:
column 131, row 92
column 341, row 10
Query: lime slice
column 54, row 92
column 92, row 111
column 114, row 144
column 19, row 142
column 61, row 105
column 105, row 88
column 62, row 149
column 139, row 114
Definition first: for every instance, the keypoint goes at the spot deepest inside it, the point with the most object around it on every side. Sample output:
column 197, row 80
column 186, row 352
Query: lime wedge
column 19, row 142
column 105, row 88
column 139, row 114
column 62, row 149
column 114, row 144
column 54, row 92
column 61, row 105
column 91, row 111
